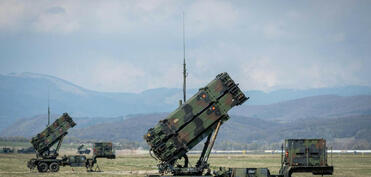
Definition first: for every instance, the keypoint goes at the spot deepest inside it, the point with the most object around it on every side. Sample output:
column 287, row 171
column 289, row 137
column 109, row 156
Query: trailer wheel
column 54, row 167
column 42, row 167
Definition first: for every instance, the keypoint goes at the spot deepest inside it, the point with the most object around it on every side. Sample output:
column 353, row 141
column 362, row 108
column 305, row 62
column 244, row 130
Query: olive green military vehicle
column 7, row 150
column 199, row 117
column 46, row 158
column 83, row 150
column 100, row 150
column 29, row 150
column 305, row 155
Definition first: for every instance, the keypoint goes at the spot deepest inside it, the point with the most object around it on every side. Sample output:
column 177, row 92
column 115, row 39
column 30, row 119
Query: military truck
column 83, row 150
column 305, row 155
column 199, row 117
column 7, row 150
column 100, row 150
column 46, row 158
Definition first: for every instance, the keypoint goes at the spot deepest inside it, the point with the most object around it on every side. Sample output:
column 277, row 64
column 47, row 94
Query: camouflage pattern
column 305, row 155
column 189, row 124
column 103, row 150
column 305, row 152
column 47, row 138
column 242, row 172
column 76, row 160
column 233, row 172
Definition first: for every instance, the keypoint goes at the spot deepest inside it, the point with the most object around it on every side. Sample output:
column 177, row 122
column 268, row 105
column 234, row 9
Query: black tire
column 42, row 167
column 54, row 167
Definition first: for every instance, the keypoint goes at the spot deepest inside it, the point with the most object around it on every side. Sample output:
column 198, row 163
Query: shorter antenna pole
column 281, row 156
column 48, row 110
column 184, row 66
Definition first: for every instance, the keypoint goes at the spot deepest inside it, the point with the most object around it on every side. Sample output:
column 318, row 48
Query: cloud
column 11, row 12
column 109, row 74
column 338, row 37
column 208, row 15
column 273, row 30
column 137, row 45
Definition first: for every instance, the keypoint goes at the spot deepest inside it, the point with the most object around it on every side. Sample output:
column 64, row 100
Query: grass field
column 139, row 165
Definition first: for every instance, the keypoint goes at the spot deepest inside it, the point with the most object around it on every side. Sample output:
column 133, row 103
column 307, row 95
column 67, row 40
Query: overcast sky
column 130, row 46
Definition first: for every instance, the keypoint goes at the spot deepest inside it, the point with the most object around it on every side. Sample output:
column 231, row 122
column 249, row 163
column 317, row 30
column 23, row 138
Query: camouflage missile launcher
column 305, row 155
column 46, row 158
column 103, row 150
column 196, row 119
column 52, row 134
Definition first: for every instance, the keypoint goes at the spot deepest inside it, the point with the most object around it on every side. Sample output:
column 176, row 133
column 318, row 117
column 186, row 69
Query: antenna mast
column 48, row 110
column 184, row 65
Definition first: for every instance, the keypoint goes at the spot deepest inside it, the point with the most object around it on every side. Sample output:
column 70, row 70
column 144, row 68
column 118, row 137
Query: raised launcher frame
column 46, row 159
column 200, row 117
column 305, row 156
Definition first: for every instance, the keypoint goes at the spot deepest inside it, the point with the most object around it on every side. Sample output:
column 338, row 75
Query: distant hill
column 263, row 98
column 26, row 94
column 29, row 127
column 326, row 106
column 240, row 131
column 335, row 118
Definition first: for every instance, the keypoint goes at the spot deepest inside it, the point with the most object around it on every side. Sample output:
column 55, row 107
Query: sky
column 131, row 46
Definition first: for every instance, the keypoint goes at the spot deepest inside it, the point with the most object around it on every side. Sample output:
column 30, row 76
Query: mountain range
column 27, row 94
column 240, row 132
column 267, row 117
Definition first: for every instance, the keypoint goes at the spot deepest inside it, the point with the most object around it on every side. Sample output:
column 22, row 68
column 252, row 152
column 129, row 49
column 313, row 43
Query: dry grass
column 140, row 165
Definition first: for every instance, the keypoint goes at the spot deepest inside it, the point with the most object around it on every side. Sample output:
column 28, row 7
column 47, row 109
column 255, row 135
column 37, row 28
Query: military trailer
column 199, row 117
column 305, row 155
column 46, row 158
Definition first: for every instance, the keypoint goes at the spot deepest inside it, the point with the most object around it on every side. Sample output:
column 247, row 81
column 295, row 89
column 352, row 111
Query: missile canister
column 48, row 137
column 189, row 124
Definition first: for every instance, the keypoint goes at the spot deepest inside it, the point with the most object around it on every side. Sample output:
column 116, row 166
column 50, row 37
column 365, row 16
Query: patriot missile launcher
column 199, row 117
column 54, row 133
column 46, row 158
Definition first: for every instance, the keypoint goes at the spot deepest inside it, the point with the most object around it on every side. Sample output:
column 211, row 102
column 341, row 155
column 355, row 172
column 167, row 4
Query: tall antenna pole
column 184, row 65
column 48, row 110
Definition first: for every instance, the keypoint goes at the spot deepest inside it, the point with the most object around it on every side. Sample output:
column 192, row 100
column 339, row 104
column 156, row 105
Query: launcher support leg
column 202, row 163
